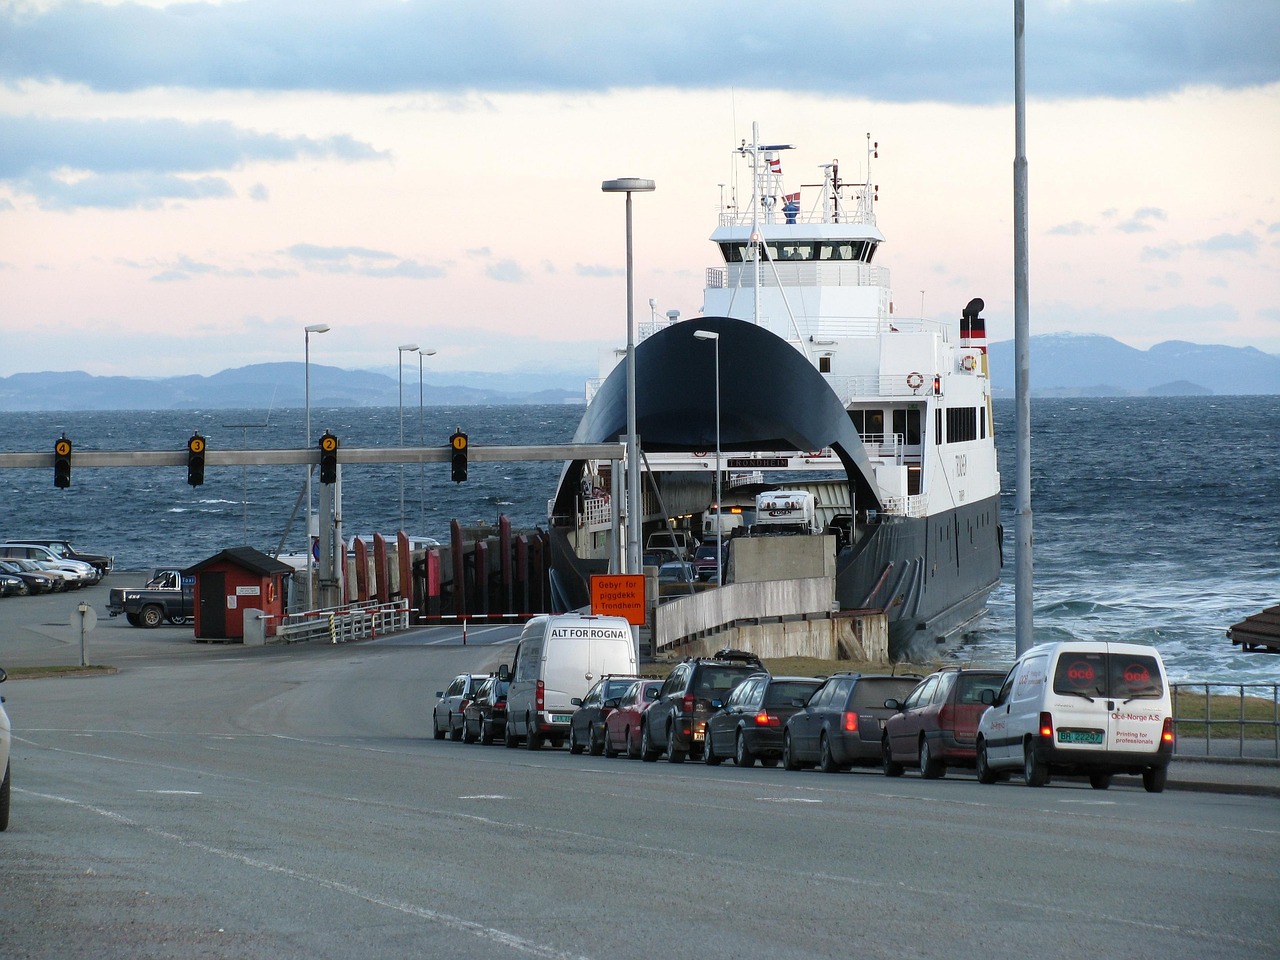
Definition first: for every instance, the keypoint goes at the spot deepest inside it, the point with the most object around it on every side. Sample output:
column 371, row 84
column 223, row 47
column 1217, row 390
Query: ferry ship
column 823, row 387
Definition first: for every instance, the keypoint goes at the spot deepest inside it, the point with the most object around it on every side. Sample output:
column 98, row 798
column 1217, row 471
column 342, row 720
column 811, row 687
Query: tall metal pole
column 422, row 442
column 629, row 185
column 404, row 348
column 306, row 366
column 714, row 336
column 1024, row 599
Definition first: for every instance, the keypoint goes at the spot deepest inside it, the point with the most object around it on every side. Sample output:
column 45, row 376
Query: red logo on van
column 1080, row 673
column 1137, row 675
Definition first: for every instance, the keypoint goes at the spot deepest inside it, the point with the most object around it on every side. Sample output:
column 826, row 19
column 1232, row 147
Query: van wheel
column 532, row 739
column 509, row 737
column 985, row 773
column 741, row 755
column 890, row 766
column 674, row 755
column 930, row 768
column 574, row 746
column 788, row 756
column 1034, row 770
column 1153, row 780
column 4, row 800
column 648, row 752
column 595, row 743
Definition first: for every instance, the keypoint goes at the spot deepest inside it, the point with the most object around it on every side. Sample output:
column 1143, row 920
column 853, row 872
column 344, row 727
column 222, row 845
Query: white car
column 85, row 572
column 4, row 762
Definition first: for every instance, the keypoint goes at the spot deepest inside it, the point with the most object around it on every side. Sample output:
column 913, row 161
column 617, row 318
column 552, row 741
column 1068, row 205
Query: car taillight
column 766, row 719
column 541, row 696
column 500, row 707
column 1166, row 735
column 946, row 716
column 851, row 721
column 687, row 703
column 1046, row 725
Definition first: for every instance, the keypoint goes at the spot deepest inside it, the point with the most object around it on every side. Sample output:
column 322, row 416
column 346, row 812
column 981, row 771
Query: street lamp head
column 408, row 347
column 427, row 353
column 706, row 335
column 317, row 328
column 628, row 185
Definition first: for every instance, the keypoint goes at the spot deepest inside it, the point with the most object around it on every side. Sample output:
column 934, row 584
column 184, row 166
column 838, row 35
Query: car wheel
column 486, row 733
column 1099, row 781
column 930, row 768
column 648, row 752
column 631, row 750
column 455, row 733
column 150, row 617
column 1153, row 780
column 826, row 762
column 467, row 735
column 788, row 755
column 985, row 773
column 574, row 746
column 1034, row 770
column 532, row 739
column 709, row 756
column 179, row 621
column 890, row 766
column 4, row 800
column 133, row 619
column 437, row 731
column 741, row 755
column 595, row 743
column 509, row 738
column 606, row 745
column 674, row 755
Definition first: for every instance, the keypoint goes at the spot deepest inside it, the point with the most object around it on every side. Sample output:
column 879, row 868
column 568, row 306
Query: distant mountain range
column 1062, row 365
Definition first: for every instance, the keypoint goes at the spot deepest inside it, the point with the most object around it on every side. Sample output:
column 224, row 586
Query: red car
column 936, row 726
column 622, row 725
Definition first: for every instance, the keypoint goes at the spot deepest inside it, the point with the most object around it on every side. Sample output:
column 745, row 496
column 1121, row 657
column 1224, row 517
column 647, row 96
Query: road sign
column 619, row 595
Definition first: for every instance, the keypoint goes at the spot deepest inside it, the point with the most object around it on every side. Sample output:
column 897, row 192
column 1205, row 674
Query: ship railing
column 745, row 216
column 799, row 273
column 744, row 479
column 850, row 389
column 885, row 446
column 353, row 621
column 916, row 505
column 596, row 512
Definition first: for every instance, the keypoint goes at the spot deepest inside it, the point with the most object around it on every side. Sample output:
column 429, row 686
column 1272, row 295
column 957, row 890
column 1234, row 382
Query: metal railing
column 356, row 621
column 1227, row 719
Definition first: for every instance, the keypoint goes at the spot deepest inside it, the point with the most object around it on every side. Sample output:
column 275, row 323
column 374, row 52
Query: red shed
column 232, row 582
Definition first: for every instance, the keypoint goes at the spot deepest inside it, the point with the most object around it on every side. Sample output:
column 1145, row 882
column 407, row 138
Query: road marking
column 180, row 793
column 501, row 937
column 485, row 796
column 787, row 800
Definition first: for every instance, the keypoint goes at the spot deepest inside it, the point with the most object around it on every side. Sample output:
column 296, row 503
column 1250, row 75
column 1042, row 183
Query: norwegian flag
column 791, row 198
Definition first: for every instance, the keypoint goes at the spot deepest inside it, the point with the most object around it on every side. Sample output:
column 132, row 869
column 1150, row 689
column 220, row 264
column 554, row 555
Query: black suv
column 676, row 723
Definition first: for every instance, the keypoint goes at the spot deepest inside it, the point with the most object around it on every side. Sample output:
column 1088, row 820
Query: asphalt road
column 218, row 801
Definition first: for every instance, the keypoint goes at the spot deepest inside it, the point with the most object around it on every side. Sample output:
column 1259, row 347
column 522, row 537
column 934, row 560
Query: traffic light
column 328, row 458
column 195, row 460
column 458, row 469
column 62, row 462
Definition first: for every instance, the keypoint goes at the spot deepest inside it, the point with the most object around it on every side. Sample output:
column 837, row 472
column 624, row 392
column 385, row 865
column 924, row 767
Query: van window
column 530, row 659
column 1098, row 674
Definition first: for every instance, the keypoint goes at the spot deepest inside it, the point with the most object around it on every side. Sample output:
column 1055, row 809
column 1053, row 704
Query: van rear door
column 1139, row 701
column 1111, row 698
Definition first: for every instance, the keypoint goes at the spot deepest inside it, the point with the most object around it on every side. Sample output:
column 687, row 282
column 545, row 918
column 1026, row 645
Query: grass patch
column 1227, row 716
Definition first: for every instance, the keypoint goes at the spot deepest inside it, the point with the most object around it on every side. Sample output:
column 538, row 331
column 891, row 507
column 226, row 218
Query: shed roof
column 255, row 561
column 1262, row 629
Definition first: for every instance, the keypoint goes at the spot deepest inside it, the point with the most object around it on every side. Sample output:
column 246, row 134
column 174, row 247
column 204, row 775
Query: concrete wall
column 795, row 557
column 863, row 636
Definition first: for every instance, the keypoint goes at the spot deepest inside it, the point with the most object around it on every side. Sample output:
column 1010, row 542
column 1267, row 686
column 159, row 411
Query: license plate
column 698, row 736
column 1080, row 736
column 560, row 718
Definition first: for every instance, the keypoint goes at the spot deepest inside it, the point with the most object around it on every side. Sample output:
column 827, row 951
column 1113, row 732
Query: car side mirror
column 612, row 703
column 439, row 693
column 576, row 701
column 717, row 704
column 988, row 697
column 504, row 672
column 892, row 704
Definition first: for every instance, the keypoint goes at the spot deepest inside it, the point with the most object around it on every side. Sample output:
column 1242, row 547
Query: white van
column 559, row 658
column 786, row 511
column 1080, row 708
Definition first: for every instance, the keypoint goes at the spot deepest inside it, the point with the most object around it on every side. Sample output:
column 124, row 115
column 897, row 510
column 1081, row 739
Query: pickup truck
column 168, row 595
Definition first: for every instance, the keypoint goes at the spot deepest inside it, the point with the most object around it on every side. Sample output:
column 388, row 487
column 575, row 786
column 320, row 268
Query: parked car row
column 1077, row 708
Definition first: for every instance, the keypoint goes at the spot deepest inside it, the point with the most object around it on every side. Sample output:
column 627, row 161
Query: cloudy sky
column 184, row 187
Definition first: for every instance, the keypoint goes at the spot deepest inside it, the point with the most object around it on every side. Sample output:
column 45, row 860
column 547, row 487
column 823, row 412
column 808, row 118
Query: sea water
column 1155, row 520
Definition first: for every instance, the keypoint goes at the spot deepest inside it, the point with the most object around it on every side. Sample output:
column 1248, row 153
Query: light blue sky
column 184, row 187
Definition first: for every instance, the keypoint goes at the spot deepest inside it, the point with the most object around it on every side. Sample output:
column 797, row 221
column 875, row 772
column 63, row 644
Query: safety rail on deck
column 355, row 621
column 1227, row 719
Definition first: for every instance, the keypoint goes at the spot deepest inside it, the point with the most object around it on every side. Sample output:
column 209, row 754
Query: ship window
column 871, row 251
column 868, row 422
column 937, row 427
column 835, row 251
column 824, row 364
column 794, row 251
column 962, row 424
column 906, row 423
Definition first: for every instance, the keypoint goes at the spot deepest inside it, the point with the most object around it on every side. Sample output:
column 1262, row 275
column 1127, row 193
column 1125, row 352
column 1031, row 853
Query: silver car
column 4, row 762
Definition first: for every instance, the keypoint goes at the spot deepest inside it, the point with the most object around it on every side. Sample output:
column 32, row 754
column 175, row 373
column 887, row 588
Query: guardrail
column 1227, row 719
column 356, row 621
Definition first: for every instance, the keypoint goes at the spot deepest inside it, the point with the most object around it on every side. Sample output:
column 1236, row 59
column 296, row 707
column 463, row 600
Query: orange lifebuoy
column 969, row 362
column 915, row 380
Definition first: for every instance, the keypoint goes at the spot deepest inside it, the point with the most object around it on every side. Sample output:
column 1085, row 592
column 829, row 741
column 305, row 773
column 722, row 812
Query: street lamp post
column 422, row 442
column 306, row 367
column 715, row 338
column 404, row 348
column 630, row 185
